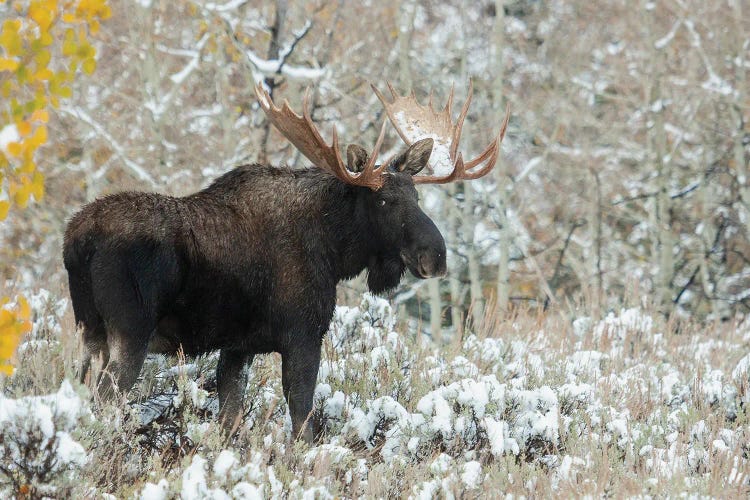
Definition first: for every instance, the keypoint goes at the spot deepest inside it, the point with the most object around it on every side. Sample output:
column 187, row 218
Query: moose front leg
column 299, row 373
column 231, row 378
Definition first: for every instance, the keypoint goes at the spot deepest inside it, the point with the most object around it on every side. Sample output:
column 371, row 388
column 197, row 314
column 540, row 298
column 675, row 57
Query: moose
column 250, row 264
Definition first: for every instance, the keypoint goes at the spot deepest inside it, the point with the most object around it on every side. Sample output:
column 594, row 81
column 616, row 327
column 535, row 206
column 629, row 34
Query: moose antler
column 301, row 132
column 414, row 121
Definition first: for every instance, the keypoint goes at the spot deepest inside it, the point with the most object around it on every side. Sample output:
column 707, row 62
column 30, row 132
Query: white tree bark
column 501, row 170
column 454, row 222
column 740, row 159
column 407, row 13
column 596, row 218
column 663, row 205
column 475, row 277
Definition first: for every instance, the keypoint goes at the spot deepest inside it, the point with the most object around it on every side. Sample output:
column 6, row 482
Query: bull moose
column 250, row 264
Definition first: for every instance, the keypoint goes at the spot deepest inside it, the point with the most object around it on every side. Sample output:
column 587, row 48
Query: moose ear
column 414, row 158
column 356, row 158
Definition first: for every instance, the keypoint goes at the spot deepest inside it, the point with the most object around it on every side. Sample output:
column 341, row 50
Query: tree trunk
column 663, row 205
column 501, row 170
column 405, row 24
column 274, row 49
column 597, row 216
column 740, row 105
column 457, row 317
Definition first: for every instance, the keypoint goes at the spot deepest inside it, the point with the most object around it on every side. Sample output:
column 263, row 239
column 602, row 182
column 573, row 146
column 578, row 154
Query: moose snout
column 431, row 263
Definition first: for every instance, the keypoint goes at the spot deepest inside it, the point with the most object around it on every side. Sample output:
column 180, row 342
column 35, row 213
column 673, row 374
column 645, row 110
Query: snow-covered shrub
column 38, row 451
column 619, row 331
column 224, row 476
column 400, row 417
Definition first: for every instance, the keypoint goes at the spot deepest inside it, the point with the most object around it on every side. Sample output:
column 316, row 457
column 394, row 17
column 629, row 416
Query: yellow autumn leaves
column 43, row 45
column 14, row 323
column 41, row 50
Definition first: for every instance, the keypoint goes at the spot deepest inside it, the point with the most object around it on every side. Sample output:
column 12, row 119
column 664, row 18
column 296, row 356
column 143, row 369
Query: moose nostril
column 421, row 267
column 427, row 265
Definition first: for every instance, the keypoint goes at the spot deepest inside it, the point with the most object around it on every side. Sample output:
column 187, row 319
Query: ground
column 534, row 404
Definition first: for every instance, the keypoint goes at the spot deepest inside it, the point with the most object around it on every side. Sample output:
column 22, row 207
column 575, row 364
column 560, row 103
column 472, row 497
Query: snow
column 70, row 451
column 224, row 7
column 414, row 130
column 247, row 491
column 435, row 406
column 472, row 474
column 8, row 134
column 664, row 41
column 538, row 418
column 497, row 434
column 280, row 66
column 741, row 372
column 158, row 491
column 194, row 480
column 441, row 464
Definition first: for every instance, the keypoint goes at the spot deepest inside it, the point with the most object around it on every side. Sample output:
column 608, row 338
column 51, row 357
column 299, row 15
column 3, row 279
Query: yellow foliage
column 14, row 323
column 41, row 52
column 8, row 64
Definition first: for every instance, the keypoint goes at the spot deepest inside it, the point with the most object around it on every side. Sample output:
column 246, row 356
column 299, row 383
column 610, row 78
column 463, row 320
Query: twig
column 119, row 150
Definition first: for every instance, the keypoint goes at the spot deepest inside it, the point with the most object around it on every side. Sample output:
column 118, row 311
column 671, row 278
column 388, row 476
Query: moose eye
column 382, row 203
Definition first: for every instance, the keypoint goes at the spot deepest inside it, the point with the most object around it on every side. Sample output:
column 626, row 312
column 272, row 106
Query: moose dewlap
column 250, row 264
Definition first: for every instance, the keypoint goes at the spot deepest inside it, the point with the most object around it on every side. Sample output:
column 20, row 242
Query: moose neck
column 329, row 216
column 348, row 233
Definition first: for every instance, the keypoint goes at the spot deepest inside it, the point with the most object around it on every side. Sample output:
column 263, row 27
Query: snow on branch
column 260, row 67
column 224, row 7
column 664, row 41
column 160, row 106
column 714, row 83
column 119, row 151
column 280, row 67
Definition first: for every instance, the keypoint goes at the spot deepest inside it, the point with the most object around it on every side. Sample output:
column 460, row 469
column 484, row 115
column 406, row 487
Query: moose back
column 250, row 264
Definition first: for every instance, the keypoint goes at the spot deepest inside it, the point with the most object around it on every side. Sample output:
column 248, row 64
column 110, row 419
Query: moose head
column 408, row 238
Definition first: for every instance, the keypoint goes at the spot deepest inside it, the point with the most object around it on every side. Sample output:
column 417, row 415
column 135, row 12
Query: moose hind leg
column 231, row 378
column 95, row 346
column 129, row 285
column 299, row 373
column 87, row 318
column 127, row 352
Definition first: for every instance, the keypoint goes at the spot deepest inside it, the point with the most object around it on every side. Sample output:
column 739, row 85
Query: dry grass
column 658, row 412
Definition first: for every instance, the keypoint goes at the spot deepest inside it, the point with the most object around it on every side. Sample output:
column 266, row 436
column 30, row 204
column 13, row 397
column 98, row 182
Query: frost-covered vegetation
column 531, row 406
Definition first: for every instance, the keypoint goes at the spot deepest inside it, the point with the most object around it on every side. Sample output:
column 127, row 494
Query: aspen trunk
column 664, row 239
column 455, row 284
column 501, row 170
column 740, row 159
column 475, row 278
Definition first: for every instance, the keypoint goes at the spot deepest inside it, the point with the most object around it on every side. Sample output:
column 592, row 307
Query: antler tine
column 458, row 127
column 319, row 138
column 390, row 87
column 463, row 171
column 370, row 166
column 387, row 105
column 449, row 105
column 494, row 147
